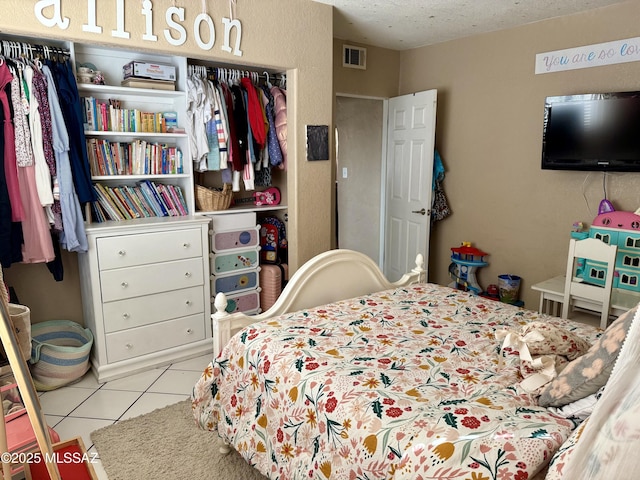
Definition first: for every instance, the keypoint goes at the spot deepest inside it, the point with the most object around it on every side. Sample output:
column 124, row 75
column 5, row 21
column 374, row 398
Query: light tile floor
column 85, row 406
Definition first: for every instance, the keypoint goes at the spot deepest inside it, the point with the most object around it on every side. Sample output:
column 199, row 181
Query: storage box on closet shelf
column 210, row 199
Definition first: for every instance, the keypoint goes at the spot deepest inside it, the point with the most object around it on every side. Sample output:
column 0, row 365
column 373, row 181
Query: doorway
column 360, row 146
column 384, row 166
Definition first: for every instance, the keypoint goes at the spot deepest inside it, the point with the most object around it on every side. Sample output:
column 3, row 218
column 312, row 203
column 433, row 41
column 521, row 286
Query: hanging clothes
column 22, row 132
column 280, row 115
column 37, row 246
column 211, row 127
column 44, row 163
column 10, row 232
column 198, row 114
column 10, row 165
column 71, row 107
column 440, row 207
column 248, row 171
column 222, row 125
column 232, row 140
column 241, row 134
column 35, row 145
column 254, row 112
column 73, row 236
column 273, row 145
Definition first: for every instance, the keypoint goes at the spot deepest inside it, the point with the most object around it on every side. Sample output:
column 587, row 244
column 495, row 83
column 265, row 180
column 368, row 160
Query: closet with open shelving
column 235, row 234
column 145, row 280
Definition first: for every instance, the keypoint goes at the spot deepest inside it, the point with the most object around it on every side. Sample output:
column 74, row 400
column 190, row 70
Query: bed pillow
column 553, row 340
column 586, row 374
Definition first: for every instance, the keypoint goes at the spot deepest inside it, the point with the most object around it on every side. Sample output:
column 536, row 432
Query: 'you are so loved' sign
column 620, row 51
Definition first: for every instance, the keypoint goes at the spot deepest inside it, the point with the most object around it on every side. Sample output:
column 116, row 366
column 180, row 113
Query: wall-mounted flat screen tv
column 598, row 131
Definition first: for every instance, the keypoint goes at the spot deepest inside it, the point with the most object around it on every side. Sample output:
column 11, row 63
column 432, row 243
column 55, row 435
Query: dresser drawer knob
column 189, row 331
column 187, row 275
column 186, row 245
column 122, row 253
column 126, row 316
column 124, row 284
column 188, row 303
column 129, row 346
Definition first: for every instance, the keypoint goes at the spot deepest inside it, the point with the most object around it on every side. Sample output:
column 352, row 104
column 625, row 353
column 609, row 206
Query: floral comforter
column 402, row 384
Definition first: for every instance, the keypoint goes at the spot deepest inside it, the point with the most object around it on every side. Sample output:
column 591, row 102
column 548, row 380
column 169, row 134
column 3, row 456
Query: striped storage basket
column 59, row 353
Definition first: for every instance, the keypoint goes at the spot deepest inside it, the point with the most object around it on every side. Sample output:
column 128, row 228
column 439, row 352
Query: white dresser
column 145, row 293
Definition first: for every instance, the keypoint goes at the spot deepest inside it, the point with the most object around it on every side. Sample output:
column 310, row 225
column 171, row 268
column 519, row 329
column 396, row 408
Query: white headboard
column 326, row 278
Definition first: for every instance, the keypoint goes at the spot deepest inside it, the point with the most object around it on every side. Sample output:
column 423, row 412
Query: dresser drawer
column 145, row 248
column 243, row 302
column 235, row 239
column 234, row 262
column 236, row 282
column 144, row 280
column 153, row 338
column 139, row 311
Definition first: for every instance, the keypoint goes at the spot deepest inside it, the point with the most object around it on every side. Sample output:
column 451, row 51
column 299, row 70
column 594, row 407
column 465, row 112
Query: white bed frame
column 328, row 277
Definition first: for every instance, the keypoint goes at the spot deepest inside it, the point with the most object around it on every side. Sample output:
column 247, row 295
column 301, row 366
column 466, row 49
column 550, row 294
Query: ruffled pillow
column 545, row 349
column 586, row 374
column 554, row 340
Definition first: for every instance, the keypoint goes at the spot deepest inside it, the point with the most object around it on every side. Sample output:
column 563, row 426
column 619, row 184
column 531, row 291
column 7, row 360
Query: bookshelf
column 145, row 278
column 131, row 141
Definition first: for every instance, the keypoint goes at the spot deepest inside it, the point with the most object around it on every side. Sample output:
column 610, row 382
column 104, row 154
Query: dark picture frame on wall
column 317, row 142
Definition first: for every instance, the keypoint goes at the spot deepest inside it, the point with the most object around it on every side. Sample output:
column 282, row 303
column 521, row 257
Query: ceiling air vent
column 354, row 57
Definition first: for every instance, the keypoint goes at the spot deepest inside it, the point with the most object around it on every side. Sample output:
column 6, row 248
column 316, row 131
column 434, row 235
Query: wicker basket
column 60, row 352
column 209, row 199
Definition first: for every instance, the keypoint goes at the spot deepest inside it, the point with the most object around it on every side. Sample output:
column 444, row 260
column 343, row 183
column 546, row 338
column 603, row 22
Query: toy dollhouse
column 465, row 260
column 621, row 229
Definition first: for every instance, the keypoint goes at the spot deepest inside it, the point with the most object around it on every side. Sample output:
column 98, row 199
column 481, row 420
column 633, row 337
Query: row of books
column 133, row 158
column 145, row 199
column 109, row 116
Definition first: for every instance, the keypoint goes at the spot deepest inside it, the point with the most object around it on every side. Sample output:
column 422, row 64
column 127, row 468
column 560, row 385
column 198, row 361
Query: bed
column 350, row 376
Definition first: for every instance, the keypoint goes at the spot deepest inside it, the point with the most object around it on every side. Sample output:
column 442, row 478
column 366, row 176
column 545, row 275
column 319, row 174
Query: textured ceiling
column 404, row 24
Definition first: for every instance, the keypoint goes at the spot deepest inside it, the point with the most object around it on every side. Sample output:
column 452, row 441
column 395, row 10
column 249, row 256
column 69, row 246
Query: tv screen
column 598, row 131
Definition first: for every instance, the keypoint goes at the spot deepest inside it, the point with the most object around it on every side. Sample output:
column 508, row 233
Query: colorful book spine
column 107, row 202
column 182, row 209
column 154, row 193
column 150, row 200
column 166, row 198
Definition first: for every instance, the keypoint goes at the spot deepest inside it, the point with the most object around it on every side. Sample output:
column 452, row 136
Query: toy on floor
column 465, row 260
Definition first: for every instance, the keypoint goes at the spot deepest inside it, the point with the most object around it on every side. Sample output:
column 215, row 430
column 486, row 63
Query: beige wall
column 293, row 35
column 489, row 132
column 380, row 79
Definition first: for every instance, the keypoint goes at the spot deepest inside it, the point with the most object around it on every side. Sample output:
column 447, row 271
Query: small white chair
column 577, row 289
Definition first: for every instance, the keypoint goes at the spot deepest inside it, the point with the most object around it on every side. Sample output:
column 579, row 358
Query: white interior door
column 409, row 171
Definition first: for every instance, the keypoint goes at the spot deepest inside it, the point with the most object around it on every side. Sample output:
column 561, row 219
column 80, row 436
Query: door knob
column 421, row 211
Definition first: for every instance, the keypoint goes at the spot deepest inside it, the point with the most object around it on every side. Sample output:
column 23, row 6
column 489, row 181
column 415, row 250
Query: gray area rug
column 167, row 443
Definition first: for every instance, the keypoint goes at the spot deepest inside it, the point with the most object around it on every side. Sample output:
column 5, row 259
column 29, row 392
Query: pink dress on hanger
column 10, row 165
column 38, row 246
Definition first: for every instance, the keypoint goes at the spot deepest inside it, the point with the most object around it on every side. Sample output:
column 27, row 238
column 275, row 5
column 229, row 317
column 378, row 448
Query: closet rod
column 14, row 49
column 226, row 72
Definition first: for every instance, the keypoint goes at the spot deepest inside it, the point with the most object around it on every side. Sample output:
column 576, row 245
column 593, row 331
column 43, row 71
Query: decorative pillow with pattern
column 544, row 349
column 586, row 374
column 554, row 340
